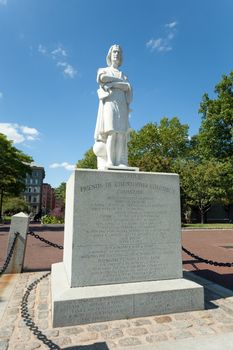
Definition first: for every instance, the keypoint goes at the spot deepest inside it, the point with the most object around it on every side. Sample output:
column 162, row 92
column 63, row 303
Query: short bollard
column 19, row 223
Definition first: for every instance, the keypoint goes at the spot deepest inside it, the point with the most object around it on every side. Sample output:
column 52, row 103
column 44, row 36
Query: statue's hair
column 108, row 58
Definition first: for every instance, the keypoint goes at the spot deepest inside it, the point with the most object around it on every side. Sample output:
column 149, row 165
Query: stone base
column 74, row 306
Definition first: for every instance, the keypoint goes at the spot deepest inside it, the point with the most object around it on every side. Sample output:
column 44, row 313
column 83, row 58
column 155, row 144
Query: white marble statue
column 112, row 126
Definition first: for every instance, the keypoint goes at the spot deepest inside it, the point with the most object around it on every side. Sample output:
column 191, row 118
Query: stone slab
column 122, row 227
column 71, row 306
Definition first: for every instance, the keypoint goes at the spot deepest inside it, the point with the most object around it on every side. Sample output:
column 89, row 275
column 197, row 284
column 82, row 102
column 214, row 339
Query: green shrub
column 48, row 219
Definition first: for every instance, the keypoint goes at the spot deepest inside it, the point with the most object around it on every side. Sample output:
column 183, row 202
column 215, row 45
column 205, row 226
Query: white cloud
column 30, row 138
column 3, row 2
column 154, row 44
column 171, row 25
column 11, row 132
column 161, row 45
column 1, row 95
column 18, row 133
column 164, row 43
column 64, row 165
column 42, row 49
column 68, row 70
column 59, row 55
column 59, row 52
column 30, row 131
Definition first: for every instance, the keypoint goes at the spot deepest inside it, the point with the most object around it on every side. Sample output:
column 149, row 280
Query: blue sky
column 174, row 51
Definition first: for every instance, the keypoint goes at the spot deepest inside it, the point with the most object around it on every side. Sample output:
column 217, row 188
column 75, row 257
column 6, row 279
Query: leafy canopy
column 14, row 165
column 89, row 161
column 60, row 191
column 155, row 147
column 216, row 132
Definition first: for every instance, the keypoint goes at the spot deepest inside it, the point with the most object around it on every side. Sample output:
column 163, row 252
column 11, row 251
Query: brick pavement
column 38, row 255
column 213, row 245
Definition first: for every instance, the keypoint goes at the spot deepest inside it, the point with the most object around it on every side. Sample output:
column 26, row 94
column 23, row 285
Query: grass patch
column 213, row 226
column 5, row 219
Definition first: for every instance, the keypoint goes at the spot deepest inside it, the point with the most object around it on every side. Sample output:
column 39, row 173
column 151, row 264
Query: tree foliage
column 216, row 132
column 14, row 205
column 155, row 147
column 60, row 191
column 202, row 185
column 14, row 165
column 89, row 161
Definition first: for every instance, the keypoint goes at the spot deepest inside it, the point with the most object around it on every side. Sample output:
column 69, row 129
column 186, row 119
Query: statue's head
column 117, row 51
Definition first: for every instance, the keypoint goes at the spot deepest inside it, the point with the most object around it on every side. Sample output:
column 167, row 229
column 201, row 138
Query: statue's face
column 115, row 55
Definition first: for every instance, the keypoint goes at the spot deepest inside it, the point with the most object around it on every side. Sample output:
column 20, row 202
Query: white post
column 19, row 223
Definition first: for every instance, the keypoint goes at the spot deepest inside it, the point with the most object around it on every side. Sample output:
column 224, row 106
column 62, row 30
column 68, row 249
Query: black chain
column 206, row 261
column 45, row 240
column 28, row 320
column 9, row 256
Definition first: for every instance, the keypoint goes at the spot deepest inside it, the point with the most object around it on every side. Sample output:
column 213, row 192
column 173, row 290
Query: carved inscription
column 93, row 310
column 126, row 231
column 165, row 302
column 89, row 310
column 125, row 263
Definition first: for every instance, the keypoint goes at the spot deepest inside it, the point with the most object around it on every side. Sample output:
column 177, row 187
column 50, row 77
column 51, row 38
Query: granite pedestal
column 122, row 249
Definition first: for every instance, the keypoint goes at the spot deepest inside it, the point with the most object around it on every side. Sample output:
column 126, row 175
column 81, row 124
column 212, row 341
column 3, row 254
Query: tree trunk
column 202, row 217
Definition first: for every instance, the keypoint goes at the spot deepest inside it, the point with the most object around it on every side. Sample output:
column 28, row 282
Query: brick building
column 48, row 198
column 33, row 192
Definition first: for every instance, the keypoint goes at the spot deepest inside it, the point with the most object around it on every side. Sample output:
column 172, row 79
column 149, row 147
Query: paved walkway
column 213, row 245
column 210, row 329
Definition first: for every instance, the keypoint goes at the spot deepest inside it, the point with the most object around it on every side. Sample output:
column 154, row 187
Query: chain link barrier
column 206, row 261
column 9, row 256
column 31, row 233
column 28, row 320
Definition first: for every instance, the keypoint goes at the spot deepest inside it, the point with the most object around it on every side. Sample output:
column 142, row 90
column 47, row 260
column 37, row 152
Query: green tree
column 202, row 185
column 216, row 132
column 227, row 184
column 13, row 205
column 60, row 191
column 155, row 147
column 89, row 161
column 14, row 165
